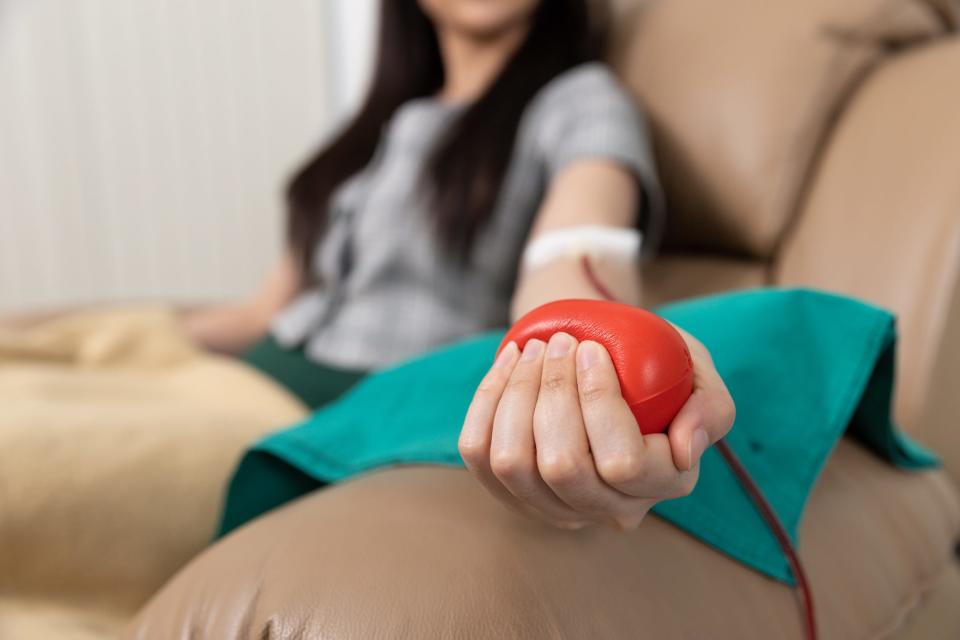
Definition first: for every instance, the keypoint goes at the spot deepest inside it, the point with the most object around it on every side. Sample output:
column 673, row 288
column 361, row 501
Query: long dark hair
column 466, row 169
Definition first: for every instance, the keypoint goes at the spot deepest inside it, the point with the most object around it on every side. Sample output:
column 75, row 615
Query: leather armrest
column 426, row 552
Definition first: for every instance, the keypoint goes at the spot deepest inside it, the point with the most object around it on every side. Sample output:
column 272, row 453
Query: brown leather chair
column 802, row 142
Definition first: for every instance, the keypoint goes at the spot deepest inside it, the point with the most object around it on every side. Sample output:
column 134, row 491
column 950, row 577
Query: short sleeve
column 586, row 113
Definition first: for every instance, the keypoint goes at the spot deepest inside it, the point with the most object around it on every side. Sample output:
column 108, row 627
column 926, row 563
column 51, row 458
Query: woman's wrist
column 565, row 278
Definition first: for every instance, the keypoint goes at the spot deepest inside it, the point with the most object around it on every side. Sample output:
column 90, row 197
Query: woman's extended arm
column 597, row 192
column 232, row 327
column 548, row 431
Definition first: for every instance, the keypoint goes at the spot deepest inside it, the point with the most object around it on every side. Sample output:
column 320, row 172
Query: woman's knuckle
column 591, row 392
column 487, row 387
column 519, row 384
column 471, row 449
column 621, row 467
column 554, row 381
column 560, row 468
column 507, row 465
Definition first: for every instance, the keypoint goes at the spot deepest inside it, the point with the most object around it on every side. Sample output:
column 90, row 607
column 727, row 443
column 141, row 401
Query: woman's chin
column 481, row 20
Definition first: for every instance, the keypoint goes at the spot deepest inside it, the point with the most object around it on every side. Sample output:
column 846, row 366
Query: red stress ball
column 650, row 356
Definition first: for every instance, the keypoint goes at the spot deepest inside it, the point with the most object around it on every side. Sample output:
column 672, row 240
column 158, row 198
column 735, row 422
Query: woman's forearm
column 566, row 278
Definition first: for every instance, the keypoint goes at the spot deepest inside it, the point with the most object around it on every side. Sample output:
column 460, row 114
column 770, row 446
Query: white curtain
column 144, row 143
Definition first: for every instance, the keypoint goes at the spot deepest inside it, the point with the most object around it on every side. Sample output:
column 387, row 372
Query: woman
column 489, row 125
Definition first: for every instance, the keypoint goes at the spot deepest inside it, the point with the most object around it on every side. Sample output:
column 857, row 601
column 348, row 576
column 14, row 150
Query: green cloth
column 266, row 481
column 314, row 383
column 801, row 366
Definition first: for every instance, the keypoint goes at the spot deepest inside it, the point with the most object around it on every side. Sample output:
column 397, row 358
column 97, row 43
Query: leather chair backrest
column 742, row 95
column 810, row 143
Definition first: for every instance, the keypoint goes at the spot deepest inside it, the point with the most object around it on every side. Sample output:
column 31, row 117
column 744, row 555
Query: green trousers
column 314, row 383
column 259, row 478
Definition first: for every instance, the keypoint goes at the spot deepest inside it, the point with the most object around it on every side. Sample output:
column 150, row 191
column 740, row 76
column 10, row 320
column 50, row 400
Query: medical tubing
column 753, row 491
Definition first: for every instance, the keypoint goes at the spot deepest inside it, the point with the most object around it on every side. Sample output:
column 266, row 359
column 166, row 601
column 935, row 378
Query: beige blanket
column 116, row 440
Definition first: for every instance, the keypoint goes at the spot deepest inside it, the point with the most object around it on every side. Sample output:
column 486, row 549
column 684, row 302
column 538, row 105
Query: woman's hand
column 549, row 433
column 232, row 328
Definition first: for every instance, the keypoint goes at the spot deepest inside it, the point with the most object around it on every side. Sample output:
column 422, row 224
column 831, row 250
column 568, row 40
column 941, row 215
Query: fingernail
column 588, row 353
column 506, row 355
column 559, row 345
column 698, row 444
column 532, row 350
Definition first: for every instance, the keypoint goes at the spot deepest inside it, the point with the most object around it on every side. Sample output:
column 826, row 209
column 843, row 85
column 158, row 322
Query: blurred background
column 144, row 145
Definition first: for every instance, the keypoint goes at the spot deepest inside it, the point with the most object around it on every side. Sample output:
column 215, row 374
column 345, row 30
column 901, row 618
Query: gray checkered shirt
column 388, row 292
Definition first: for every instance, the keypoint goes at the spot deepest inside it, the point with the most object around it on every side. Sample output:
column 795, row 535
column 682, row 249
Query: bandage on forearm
column 599, row 242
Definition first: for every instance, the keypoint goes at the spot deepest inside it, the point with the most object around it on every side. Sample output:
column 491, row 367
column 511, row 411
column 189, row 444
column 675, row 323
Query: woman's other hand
column 233, row 327
column 549, row 434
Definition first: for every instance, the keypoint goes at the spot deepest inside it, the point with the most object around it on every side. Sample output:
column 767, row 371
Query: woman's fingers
column 549, row 433
column 634, row 464
column 707, row 415
column 477, row 434
column 563, row 451
column 477, row 431
column 513, row 457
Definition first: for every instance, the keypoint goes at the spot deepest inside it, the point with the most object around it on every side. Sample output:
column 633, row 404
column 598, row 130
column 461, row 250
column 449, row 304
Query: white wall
column 350, row 51
column 143, row 143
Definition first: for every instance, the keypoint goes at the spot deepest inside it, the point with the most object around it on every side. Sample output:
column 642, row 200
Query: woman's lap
column 314, row 383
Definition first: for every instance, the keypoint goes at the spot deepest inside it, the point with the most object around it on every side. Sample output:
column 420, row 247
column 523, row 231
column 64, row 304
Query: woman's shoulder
column 585, row 82
column 591, row 87
column 587, row 93
column 587, row 109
